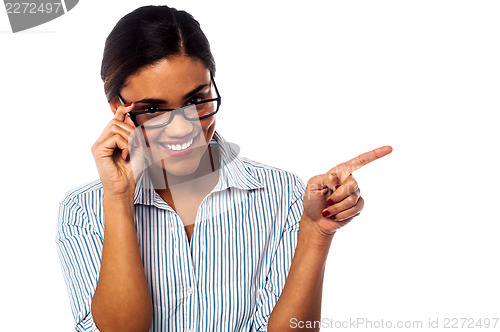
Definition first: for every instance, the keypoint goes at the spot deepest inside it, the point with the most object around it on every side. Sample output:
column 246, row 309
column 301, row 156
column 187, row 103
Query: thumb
column 323, row 183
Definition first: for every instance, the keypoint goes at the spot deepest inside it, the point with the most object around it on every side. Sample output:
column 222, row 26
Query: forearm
column 300, row 300
column 122, row 301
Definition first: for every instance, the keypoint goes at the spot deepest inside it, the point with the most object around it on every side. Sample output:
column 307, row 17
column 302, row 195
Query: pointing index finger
column 343, row 170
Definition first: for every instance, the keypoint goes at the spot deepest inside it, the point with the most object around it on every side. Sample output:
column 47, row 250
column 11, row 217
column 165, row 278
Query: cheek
column 208, row 127
column 150, row 135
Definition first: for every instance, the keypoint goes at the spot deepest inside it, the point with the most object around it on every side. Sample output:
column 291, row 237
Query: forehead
column 170, row 77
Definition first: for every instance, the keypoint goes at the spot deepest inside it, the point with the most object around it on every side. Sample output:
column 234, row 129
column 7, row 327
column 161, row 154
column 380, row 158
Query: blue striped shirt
column 228, row 277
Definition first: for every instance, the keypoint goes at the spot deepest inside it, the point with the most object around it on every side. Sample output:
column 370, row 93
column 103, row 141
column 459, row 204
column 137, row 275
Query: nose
column 179, row 127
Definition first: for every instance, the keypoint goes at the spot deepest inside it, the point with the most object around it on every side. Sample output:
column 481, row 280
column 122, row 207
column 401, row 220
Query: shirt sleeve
column 79, row 249
column 281, row 262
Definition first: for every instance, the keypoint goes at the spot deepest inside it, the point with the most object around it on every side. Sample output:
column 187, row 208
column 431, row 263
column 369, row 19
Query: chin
column 181, row 169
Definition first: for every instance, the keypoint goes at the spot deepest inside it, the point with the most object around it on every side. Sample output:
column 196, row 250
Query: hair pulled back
column 147, row 35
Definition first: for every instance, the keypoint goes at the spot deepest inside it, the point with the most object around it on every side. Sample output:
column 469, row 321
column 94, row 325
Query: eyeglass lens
column 191, row 112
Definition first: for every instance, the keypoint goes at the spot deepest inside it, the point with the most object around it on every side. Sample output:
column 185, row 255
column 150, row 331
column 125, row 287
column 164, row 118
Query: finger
column 122, row 110
column 323, row 181
column 343, row 190
column 346, row 168
column 344, row 222
column 344, row 205
column 125, row 125
column 349, row 213
column 116, row 127
column 121, row 128
column 128, row 120
column 322, row 184
column 109, row 146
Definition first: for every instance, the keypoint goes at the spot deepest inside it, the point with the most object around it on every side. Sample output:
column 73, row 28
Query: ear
column 114, row 103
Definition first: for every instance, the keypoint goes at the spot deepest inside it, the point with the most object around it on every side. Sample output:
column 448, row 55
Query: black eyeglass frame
column 180, row 110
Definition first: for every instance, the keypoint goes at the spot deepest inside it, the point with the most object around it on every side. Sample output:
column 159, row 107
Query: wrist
column 312, row 236
column 118, row 208
column 125, row 198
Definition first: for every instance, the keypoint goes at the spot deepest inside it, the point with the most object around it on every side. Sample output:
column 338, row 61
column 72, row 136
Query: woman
column 196, row 238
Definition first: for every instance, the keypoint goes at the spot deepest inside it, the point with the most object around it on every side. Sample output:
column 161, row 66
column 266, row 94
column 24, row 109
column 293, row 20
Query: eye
column 150, row 109
column 195, row 99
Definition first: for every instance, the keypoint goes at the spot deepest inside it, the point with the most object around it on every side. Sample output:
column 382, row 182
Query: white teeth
column 179, row 147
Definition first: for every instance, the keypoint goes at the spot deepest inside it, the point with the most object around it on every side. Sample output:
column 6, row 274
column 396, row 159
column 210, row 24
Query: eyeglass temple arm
column 216, row 90
column 120, row 99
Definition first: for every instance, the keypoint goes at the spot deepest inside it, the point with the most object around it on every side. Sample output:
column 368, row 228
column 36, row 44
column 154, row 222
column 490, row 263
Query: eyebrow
column 161, row 101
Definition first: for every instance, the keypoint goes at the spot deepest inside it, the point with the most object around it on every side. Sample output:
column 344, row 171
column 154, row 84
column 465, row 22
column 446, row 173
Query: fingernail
column 337, row 185
column 325, row 213
column 329, row 201
column 127, row 105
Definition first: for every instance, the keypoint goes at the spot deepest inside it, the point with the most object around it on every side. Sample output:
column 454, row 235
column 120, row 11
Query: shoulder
column 265, row 174
column 82, row 193
column 80, row 207
column 275, row 177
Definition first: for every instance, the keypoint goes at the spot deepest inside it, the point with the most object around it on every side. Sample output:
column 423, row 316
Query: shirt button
column 190, row 291
column 189, row 330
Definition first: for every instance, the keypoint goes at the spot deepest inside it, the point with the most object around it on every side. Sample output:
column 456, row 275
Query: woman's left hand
column 333, row 199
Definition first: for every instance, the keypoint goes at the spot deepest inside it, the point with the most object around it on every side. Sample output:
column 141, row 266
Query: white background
column 305, row 86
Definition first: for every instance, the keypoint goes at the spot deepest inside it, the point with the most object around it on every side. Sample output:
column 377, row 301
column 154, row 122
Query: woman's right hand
column 111, row 153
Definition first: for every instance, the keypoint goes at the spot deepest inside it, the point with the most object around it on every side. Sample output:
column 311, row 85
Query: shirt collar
column 232, row 173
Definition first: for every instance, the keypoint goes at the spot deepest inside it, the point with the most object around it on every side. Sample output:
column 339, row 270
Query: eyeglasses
column 154, row 117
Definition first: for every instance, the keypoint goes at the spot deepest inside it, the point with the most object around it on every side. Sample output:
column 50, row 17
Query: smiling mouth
column 178, row 147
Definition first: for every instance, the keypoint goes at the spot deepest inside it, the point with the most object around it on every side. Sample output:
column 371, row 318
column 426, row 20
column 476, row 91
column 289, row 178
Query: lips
column 179, row 148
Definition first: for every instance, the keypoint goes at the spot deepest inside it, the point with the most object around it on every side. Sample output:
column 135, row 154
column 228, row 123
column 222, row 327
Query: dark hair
column 146, row 36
